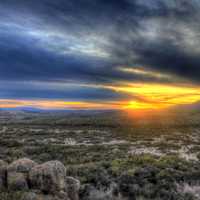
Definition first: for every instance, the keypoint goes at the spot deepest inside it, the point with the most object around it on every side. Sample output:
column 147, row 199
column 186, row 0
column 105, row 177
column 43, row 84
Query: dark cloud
column 87, row 41
column 67, row 92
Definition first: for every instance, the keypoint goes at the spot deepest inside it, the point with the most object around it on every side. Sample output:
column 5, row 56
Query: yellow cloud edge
column 141, row 96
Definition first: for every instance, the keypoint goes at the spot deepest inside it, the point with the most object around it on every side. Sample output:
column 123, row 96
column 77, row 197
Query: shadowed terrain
column 147, row 156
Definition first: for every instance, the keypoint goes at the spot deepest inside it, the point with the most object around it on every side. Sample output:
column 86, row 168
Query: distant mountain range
column 25, row 109
column 39, row 110
column 28, row 109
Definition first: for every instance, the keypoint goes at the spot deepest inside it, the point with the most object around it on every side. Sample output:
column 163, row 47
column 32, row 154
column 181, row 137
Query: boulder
column 16, row 181
column 3, row 172
column 48, row 177
column 23, row 165
column 17, row 174
column 72, row 187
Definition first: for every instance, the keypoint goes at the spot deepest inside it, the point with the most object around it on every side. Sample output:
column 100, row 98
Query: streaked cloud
column 53, row 104
column 134, row 96
column 137, row 52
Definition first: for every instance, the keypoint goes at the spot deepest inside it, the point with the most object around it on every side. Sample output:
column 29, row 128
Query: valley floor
column 113, row 155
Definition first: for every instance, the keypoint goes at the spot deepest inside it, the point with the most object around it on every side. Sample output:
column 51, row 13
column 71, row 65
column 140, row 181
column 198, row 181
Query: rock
column 72, row 187
column 23, row 165
column 3, row 173
column 48, row 177
column 17, row 181
column 17, row 174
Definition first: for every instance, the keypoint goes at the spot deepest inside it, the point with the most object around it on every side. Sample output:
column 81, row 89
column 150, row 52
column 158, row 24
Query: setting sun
column 140, row 97
column 155, row 96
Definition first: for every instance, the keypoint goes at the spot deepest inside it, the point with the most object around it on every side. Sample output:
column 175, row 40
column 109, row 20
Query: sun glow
column 140, row 97
column 142, row 106
column 156, row 96
column 55, row 104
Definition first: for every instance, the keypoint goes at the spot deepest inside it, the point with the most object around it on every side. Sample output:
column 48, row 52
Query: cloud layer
column 62, row 46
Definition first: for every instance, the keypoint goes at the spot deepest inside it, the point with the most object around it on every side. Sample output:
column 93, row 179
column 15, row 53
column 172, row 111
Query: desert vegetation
column 104, row 155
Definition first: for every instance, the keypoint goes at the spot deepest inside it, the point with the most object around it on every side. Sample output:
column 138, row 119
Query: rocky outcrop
column 17, row 174
column 23, row 165
column 16, row 181
column 47, row 181
column 48, row 177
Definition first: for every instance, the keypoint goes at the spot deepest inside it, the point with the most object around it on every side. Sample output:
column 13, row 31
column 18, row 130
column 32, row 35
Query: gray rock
column 3, row 172
column 48, row 177
column 16, row 181
column 23, row 165
column 17, row 174
column 72, row 187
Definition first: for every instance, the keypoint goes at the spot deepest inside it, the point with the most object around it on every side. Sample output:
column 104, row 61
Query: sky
column 104, row 54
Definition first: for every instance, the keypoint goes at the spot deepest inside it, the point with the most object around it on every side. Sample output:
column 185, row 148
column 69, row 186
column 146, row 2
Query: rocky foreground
column 39, row 182
column 101, row 157
column 24, row 179
column 47, row 181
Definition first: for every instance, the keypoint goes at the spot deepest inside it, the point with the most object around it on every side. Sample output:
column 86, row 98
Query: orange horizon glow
column 142, row 97
column 55, row 104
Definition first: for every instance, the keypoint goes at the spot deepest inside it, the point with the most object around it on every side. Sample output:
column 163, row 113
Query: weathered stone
column 3, row 172
column 17, row 173
column 48, row 177
column 72, row 187
column 16, row 181
column 23, row 165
